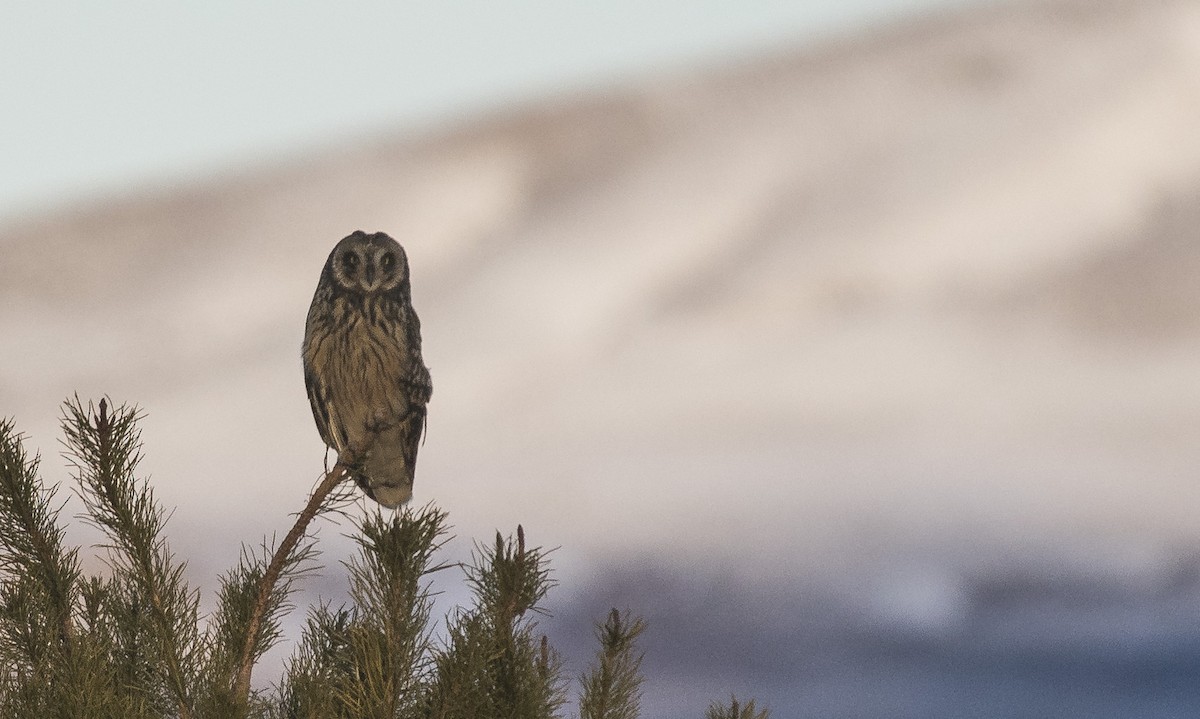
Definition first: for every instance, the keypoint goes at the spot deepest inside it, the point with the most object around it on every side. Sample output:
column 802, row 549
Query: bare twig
column 335, row 476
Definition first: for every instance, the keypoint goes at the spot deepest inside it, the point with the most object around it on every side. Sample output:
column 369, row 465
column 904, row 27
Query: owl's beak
column 370, row 275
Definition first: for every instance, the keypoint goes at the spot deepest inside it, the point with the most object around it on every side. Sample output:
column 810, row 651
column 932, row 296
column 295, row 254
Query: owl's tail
column 387, row 473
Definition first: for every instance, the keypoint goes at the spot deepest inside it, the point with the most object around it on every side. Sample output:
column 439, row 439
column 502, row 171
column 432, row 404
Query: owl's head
column 368, row 264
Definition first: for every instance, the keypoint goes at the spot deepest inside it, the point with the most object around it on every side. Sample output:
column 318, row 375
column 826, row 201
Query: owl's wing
column 416, row 382
column 319, row 400
column 417, row 388
column 413, row 428
column 417, row 385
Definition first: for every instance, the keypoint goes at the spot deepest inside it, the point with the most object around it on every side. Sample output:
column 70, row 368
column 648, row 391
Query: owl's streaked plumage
column 367, row 383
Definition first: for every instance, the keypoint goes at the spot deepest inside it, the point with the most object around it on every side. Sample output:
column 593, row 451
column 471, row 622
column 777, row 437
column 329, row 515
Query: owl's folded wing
column 319, row 400
column 417, row 385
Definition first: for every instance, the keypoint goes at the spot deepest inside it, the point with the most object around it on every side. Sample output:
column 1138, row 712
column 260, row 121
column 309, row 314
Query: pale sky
column 105, row 97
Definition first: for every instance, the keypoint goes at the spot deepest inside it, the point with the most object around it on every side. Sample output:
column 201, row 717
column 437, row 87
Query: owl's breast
column 363, row 368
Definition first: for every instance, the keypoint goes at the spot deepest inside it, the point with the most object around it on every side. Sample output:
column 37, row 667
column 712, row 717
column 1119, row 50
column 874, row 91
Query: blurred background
column 852, row 344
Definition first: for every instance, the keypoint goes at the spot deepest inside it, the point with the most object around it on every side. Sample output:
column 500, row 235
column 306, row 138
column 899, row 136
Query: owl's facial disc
column 389, row 269
column 348, row 269
column 369, row 264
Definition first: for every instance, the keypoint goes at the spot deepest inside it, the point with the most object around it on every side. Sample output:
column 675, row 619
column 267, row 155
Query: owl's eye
column 350, row 262
column 387, row 262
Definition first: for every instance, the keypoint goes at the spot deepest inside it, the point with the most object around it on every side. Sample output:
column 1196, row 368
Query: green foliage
column 104, row 450
column 493, row 666
column 734, row 710
column 372, row 658
column 132, row 644
column 613, row 687
column 39, row 580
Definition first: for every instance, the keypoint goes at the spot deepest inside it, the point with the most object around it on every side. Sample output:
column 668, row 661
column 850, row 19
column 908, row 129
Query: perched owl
column 362, row 364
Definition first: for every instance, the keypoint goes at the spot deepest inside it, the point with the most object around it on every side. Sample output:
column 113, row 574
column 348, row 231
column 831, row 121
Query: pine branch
column 31, row 540
column 281, row 560
column 308, row 688
column 734, row 710
column 104, row 450
column 389, row 639
column 373, row 658
column 613, row 687
column 508, row 580
column 126, row 631
column 492, row 665
column 229, row 627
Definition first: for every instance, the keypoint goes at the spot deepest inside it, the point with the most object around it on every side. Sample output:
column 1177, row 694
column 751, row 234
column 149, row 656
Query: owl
column 367, row 383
